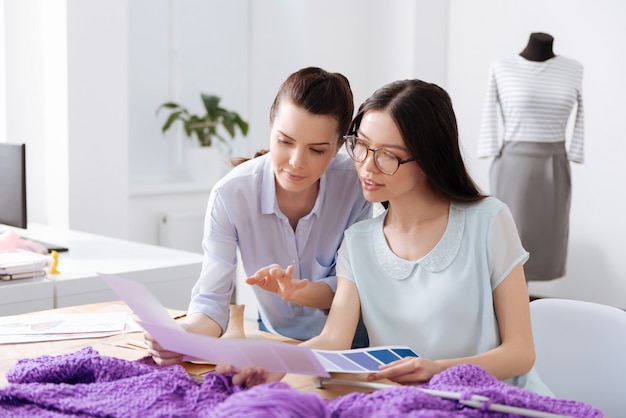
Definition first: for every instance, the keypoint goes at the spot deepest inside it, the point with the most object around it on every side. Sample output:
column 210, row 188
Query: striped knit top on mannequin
column 536, row 99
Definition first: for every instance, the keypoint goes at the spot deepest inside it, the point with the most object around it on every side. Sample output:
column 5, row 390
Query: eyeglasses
column 385, row 161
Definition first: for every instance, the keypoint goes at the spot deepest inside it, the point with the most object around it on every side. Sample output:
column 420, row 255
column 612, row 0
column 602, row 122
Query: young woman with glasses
column 285, row 211
column 441, row 269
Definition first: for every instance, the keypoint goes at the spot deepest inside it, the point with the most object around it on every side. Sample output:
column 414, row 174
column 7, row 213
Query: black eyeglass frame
column 348, row 138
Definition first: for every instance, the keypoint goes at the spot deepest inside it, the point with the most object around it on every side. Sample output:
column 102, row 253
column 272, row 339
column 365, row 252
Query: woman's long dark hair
column 424, row 115
column 319, row 92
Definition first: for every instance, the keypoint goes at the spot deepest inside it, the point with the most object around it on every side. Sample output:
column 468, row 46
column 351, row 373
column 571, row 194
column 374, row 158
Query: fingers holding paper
column 249, row 376
column 196, row 323
column 160, row 355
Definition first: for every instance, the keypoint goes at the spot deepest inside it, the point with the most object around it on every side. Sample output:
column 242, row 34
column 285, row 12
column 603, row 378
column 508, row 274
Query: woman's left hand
column 409, row 370
column 274, row 279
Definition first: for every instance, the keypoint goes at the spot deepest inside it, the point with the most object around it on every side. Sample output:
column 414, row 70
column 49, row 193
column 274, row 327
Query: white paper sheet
column 129, row 326
column 272, row 356
column 62, row 323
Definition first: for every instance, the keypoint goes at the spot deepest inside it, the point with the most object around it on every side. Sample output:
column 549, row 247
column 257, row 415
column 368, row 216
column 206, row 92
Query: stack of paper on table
column 21, row 264
column 272, row 356
column 64, row 326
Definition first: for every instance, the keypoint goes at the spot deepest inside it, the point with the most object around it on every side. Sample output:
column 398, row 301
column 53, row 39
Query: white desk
column 169, row 274
column 25, row 295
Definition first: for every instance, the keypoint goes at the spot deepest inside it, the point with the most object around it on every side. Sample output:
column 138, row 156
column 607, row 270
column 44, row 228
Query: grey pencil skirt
column 534, row 180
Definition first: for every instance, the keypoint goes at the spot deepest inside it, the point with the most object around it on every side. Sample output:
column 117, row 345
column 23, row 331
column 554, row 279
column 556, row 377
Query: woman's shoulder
column 488, row 205
column 251, row 167
column 245, row 177
column 342, row 179
column 366, row 226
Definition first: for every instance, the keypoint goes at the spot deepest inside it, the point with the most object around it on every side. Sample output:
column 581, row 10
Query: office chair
column 581, row 351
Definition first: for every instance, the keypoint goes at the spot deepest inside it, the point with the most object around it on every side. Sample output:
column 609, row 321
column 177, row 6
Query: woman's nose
column 369, row 164
column 296, row 159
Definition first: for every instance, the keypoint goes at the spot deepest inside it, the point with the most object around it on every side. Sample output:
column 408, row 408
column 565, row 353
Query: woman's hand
column 274, row 279
column 409, row 370
column 159, row 354
column 250, row 376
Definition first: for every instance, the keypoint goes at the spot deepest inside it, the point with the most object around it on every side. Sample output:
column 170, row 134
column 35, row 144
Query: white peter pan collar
column 439, row 258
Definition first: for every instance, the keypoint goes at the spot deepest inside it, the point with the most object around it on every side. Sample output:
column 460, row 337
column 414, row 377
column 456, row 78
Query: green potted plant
column 206, row 162
column 205, row 127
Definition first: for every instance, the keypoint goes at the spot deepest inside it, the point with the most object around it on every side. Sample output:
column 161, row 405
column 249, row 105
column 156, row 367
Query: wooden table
column 130, row 346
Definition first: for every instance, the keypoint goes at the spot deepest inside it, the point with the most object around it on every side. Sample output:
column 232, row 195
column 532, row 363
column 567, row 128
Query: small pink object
column 9, row 240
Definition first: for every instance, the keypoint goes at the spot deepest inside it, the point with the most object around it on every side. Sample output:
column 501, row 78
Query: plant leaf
column 229, row 124
column 243, row 125
column 170, row 105
column 171, row 119
column 187, row 128
column 211, row 105
column 203, row 137
column 205, row 127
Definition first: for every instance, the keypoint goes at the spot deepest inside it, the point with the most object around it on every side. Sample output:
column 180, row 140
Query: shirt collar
column 440, row 257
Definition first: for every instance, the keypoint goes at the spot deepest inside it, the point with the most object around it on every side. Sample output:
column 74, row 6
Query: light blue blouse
column 440, row 305
column 243, row 213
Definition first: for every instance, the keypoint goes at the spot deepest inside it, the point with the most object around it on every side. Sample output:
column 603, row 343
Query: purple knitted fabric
column 85, row 384
column 466, row 379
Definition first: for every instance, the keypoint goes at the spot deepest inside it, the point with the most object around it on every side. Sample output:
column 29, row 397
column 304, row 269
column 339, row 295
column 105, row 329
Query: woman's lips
column 293, row 177
column 370, row 186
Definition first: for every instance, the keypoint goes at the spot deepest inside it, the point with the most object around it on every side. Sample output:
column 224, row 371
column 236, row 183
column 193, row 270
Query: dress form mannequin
column 532, row 96
column 539, row 47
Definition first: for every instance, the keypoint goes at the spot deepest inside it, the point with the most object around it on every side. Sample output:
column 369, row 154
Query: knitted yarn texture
column 86, row 384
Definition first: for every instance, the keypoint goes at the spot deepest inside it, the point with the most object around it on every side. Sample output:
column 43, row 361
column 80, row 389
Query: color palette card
column 361, row 360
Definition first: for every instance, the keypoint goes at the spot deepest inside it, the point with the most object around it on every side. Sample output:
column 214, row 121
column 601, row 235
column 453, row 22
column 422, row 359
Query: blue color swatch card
column 361, row 360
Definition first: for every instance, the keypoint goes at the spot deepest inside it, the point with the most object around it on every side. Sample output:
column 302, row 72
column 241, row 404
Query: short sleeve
column 343, row 267
column 505, row 247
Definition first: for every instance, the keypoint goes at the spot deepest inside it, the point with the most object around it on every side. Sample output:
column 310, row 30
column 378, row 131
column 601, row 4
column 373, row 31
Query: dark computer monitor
column 13, row 185
column 13, row 210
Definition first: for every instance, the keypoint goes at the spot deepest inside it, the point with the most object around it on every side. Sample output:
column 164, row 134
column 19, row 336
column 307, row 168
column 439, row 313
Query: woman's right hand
column 250, row 376
column 197, row 323
column 161, row 356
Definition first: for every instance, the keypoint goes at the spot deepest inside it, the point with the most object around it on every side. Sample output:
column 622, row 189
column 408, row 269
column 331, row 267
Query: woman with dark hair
column 440, row 270
column 285, row 211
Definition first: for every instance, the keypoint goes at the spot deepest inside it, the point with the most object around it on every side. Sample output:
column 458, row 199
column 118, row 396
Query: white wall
column 66, row 98
column 113, row 173
column 594, row 34
column 369, row 41
column 98, row 116
column 24, row 87
column 176, row 51
column 251, row 47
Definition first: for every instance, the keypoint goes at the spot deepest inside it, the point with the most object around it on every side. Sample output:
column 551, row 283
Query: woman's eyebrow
column 284, row 134
column 387, row 146
column 312, row 143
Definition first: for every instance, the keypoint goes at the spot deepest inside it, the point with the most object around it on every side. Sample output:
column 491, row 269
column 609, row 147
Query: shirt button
column 299, row 232
column 293, row 261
